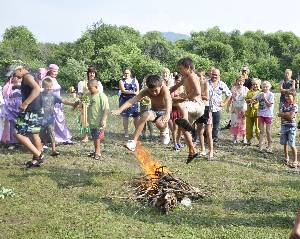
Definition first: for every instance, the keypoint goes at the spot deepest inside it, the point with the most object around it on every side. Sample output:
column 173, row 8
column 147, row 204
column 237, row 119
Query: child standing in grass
column 49, row 99
column 206, row 118
column 288, row 112
column 145, row 105
column 265, row 113
column 176, row 130
column 238, row 109
column 97, row 114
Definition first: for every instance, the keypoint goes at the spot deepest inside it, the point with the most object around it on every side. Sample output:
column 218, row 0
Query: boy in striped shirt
column 288, row 112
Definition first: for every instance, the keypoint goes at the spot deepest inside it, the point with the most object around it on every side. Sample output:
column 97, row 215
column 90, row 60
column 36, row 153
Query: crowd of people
column 31, row 105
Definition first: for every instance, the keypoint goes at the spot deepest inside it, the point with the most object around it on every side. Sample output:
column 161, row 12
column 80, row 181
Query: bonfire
column 158, row 186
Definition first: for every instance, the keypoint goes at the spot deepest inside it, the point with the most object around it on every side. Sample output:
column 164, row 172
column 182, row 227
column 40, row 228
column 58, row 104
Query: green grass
column 248, row 195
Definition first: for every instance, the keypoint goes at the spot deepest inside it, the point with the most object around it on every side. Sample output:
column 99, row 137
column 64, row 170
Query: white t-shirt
column 80, row 87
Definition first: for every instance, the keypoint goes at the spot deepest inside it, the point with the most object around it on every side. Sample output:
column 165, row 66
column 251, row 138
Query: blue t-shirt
column 48, row 102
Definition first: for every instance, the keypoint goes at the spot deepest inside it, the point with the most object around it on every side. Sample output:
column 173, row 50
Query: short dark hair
column 126, row 68
column 93, row 83
column 153, row 81
column 178, row 76
column 46, row 80
column 186, row 61
column 92, row 69
column 291, row 92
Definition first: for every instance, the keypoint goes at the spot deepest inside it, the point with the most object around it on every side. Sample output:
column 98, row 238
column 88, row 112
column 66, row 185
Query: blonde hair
column 240, row 78
column 166, row 70
column 266, row 83
column 256, row 80
column 288, row 70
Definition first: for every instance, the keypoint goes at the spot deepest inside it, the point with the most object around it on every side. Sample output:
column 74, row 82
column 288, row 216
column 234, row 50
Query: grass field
column 248, row 195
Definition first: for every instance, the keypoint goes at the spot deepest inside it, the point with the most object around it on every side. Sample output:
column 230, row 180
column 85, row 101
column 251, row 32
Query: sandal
column 126, row 135
column 97, row 156
column 294, row 165
column 55, row 153
column 92, row 154
column 269, row 151
column 84, row 140
column 191, row 157
column 39, row 161
column 176, row 148
column 201, row 155
column 234, row 140
column 211, row 158
column 182, row 122
column 286, row 162
column 69, row 142
column 260, row 151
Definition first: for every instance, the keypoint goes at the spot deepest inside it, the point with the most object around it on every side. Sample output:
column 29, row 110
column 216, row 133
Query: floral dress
column 132, row 111
column 238, row 109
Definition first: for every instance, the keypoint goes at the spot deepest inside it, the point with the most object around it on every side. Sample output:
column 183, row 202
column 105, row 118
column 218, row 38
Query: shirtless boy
column 205, row 118
column 193, row 102
column 159, row 113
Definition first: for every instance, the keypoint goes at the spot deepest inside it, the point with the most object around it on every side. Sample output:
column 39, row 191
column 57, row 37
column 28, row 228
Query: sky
column 65, row 20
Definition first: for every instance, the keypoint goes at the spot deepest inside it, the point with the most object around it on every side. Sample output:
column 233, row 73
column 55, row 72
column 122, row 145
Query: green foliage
column 111, row 48
column 73, row 72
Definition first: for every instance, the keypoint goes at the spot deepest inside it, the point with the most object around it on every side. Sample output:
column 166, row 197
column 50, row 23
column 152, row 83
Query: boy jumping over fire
column 159, row 113
column 193, row 103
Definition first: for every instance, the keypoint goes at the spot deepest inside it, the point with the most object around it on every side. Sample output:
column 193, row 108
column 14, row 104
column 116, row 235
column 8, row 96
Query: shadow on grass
column 65, row 177
column 261, row 205
column 183, row 215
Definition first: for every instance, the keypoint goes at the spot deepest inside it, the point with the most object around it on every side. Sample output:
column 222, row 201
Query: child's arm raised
column 36, row 90
column 130, row 102
column 104, row 115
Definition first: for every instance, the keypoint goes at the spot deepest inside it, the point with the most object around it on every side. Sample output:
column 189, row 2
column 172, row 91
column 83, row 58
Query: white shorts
column 196, row 108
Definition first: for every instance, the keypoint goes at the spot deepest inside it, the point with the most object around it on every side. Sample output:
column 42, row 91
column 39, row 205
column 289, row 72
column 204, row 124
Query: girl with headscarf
column 82, row 89
column 10, row 110
column 62, row 134
column 41, row 74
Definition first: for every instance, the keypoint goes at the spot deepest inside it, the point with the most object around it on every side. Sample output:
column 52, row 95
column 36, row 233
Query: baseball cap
column 17, row 64
column 245, row 69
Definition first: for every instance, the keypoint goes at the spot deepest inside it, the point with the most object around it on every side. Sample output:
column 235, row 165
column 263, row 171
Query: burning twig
column 158, row 186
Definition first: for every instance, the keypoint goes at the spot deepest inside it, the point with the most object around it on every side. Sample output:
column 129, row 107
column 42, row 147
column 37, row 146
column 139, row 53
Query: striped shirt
column 215, row 94
column 292, row 107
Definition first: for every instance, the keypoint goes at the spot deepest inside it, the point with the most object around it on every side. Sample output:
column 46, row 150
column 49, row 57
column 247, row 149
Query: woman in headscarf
column 62, row 134
column 10, row 110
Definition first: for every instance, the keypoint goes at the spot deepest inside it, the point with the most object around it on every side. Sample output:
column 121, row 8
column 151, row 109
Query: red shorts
column 266, row 120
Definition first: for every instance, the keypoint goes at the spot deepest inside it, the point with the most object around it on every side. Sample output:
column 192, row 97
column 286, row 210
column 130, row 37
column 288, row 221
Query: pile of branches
column 165, row 191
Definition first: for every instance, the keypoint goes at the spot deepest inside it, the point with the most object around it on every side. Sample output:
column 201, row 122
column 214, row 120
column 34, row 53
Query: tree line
column 110, row 48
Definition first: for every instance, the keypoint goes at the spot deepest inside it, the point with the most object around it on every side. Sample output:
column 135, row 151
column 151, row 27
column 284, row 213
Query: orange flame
column 147, row 162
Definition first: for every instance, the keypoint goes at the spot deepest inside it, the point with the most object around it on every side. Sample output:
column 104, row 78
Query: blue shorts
column 29, row 122
column 288, row 135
